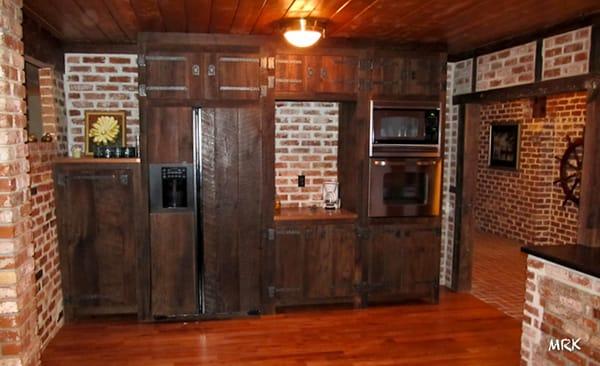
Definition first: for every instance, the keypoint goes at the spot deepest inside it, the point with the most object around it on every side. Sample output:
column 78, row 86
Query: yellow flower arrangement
column 105, row 130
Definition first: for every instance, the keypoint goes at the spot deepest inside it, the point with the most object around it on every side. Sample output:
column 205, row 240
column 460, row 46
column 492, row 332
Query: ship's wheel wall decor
column 571, row 166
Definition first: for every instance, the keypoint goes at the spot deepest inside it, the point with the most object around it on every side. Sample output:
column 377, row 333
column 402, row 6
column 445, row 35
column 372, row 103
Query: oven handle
column 383, row 162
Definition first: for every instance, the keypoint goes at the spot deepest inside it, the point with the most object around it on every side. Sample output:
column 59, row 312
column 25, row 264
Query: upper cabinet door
column 388, row 76
column 423, row 76
column 232, row 76
column 338, row 74
column 290, row 75
column 167, row 75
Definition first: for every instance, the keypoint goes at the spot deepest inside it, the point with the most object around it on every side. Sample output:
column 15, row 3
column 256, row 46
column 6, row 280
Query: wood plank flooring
column 461, row 330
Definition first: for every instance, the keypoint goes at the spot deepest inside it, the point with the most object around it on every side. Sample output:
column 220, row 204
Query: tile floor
column 499, row 273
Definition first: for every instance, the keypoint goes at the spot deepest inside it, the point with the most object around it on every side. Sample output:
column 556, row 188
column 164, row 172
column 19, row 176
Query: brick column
column 18, row 340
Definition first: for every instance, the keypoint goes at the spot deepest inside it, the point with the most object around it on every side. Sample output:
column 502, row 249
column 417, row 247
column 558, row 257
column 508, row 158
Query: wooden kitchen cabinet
column 332, row 74
column 97, row 204
column 201, row 75
column 315, row 74
column 168, row 76
column 401, row 75
column 313, row 264
column 402, row 262
column 290, row 74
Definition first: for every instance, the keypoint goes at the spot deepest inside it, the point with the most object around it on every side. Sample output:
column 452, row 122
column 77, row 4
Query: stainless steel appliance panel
column 404, row 187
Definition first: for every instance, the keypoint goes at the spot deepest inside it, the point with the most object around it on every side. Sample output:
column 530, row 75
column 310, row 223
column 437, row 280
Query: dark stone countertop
column 578, row 257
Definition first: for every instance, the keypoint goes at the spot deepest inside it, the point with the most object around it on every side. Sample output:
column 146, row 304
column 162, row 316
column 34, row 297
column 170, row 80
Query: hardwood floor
column 461, row 330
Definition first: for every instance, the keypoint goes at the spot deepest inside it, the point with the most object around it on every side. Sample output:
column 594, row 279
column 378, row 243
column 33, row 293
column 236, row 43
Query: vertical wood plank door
column 97, row 243
column 169, row 135
column 423, row 76
column 339, row 74
column 388, row 76
column 290, row 74
column 168, row 75
column 174, row 269
column 231, row 191
column 239, row 76
column 288, row 286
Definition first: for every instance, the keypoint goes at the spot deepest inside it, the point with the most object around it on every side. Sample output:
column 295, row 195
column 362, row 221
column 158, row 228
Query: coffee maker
column 331, row 199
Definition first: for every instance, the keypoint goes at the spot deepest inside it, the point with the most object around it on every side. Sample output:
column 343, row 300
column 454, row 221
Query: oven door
column 404, row 187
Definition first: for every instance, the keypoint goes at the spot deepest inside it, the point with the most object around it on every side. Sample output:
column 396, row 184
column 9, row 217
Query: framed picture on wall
column 505, row 141
column 104, row 128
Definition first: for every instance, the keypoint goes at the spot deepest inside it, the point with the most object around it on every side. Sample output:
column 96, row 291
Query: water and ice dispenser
column 171, row 187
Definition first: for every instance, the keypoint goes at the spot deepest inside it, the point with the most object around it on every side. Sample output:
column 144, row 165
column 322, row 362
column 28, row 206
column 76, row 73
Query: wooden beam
column 555, row 86
column 466, row 189
column 583, row 21
column 589, row 207
column 100, row 48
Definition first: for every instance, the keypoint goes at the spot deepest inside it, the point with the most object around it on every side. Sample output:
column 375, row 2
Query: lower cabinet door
column 174, row 267
column 402, row 262
column 330, row 260
column 314, row 264
column 288, row 286
column 97, row 240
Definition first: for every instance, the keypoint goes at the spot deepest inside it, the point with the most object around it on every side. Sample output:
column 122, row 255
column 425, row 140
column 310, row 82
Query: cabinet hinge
column 271, row 63
column 142, row 90
column 141, row 61
column 263, row 91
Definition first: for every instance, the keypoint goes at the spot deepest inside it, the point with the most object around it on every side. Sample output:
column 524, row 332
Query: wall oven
column 404, row 187
column 405, row 129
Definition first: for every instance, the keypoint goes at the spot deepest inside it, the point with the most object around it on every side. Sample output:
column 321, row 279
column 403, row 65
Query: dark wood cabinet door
column 329, row 261
column 338, row 74
column 288, row 286
column 97, row 240
column 290, row 74
column 402, row 262
column 388, row 78
column 174, row 269
column 420, row 260
column 169, row 134
column 168, row 75
column 232, row 76
column 385, row 260
column 423, row 76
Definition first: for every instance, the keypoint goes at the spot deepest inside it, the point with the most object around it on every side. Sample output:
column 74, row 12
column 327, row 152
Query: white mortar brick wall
column 100, row 82
column 450, row 160
column 462, row 77
column 306, row 140
column 512, row 66
column 567, row 54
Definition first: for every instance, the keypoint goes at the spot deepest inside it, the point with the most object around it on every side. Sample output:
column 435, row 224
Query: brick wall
column 462, row 77
column 525, row 205
column 567, row 54
column 306, row 137
column 48, row 292
column 512, row 66
column 54, row 118
column 100, row 82
column 19, row 343
column 450, row 160
column 560, row 303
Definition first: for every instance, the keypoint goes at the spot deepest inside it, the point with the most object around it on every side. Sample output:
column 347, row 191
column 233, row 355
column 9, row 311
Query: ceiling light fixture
column 303, row 32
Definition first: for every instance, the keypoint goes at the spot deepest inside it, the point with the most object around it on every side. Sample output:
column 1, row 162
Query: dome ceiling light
column 303, row 32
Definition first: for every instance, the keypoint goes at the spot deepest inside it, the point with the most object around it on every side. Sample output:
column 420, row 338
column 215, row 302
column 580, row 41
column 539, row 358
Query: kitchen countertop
column 313, row 214
column 89, row 160
column 578, row 257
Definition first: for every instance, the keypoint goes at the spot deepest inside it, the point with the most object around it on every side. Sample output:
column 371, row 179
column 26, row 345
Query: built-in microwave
column 401, row 187
column 405, row 129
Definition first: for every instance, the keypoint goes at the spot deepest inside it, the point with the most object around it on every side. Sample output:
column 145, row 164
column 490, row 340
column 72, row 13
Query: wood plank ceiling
column 461, row 24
